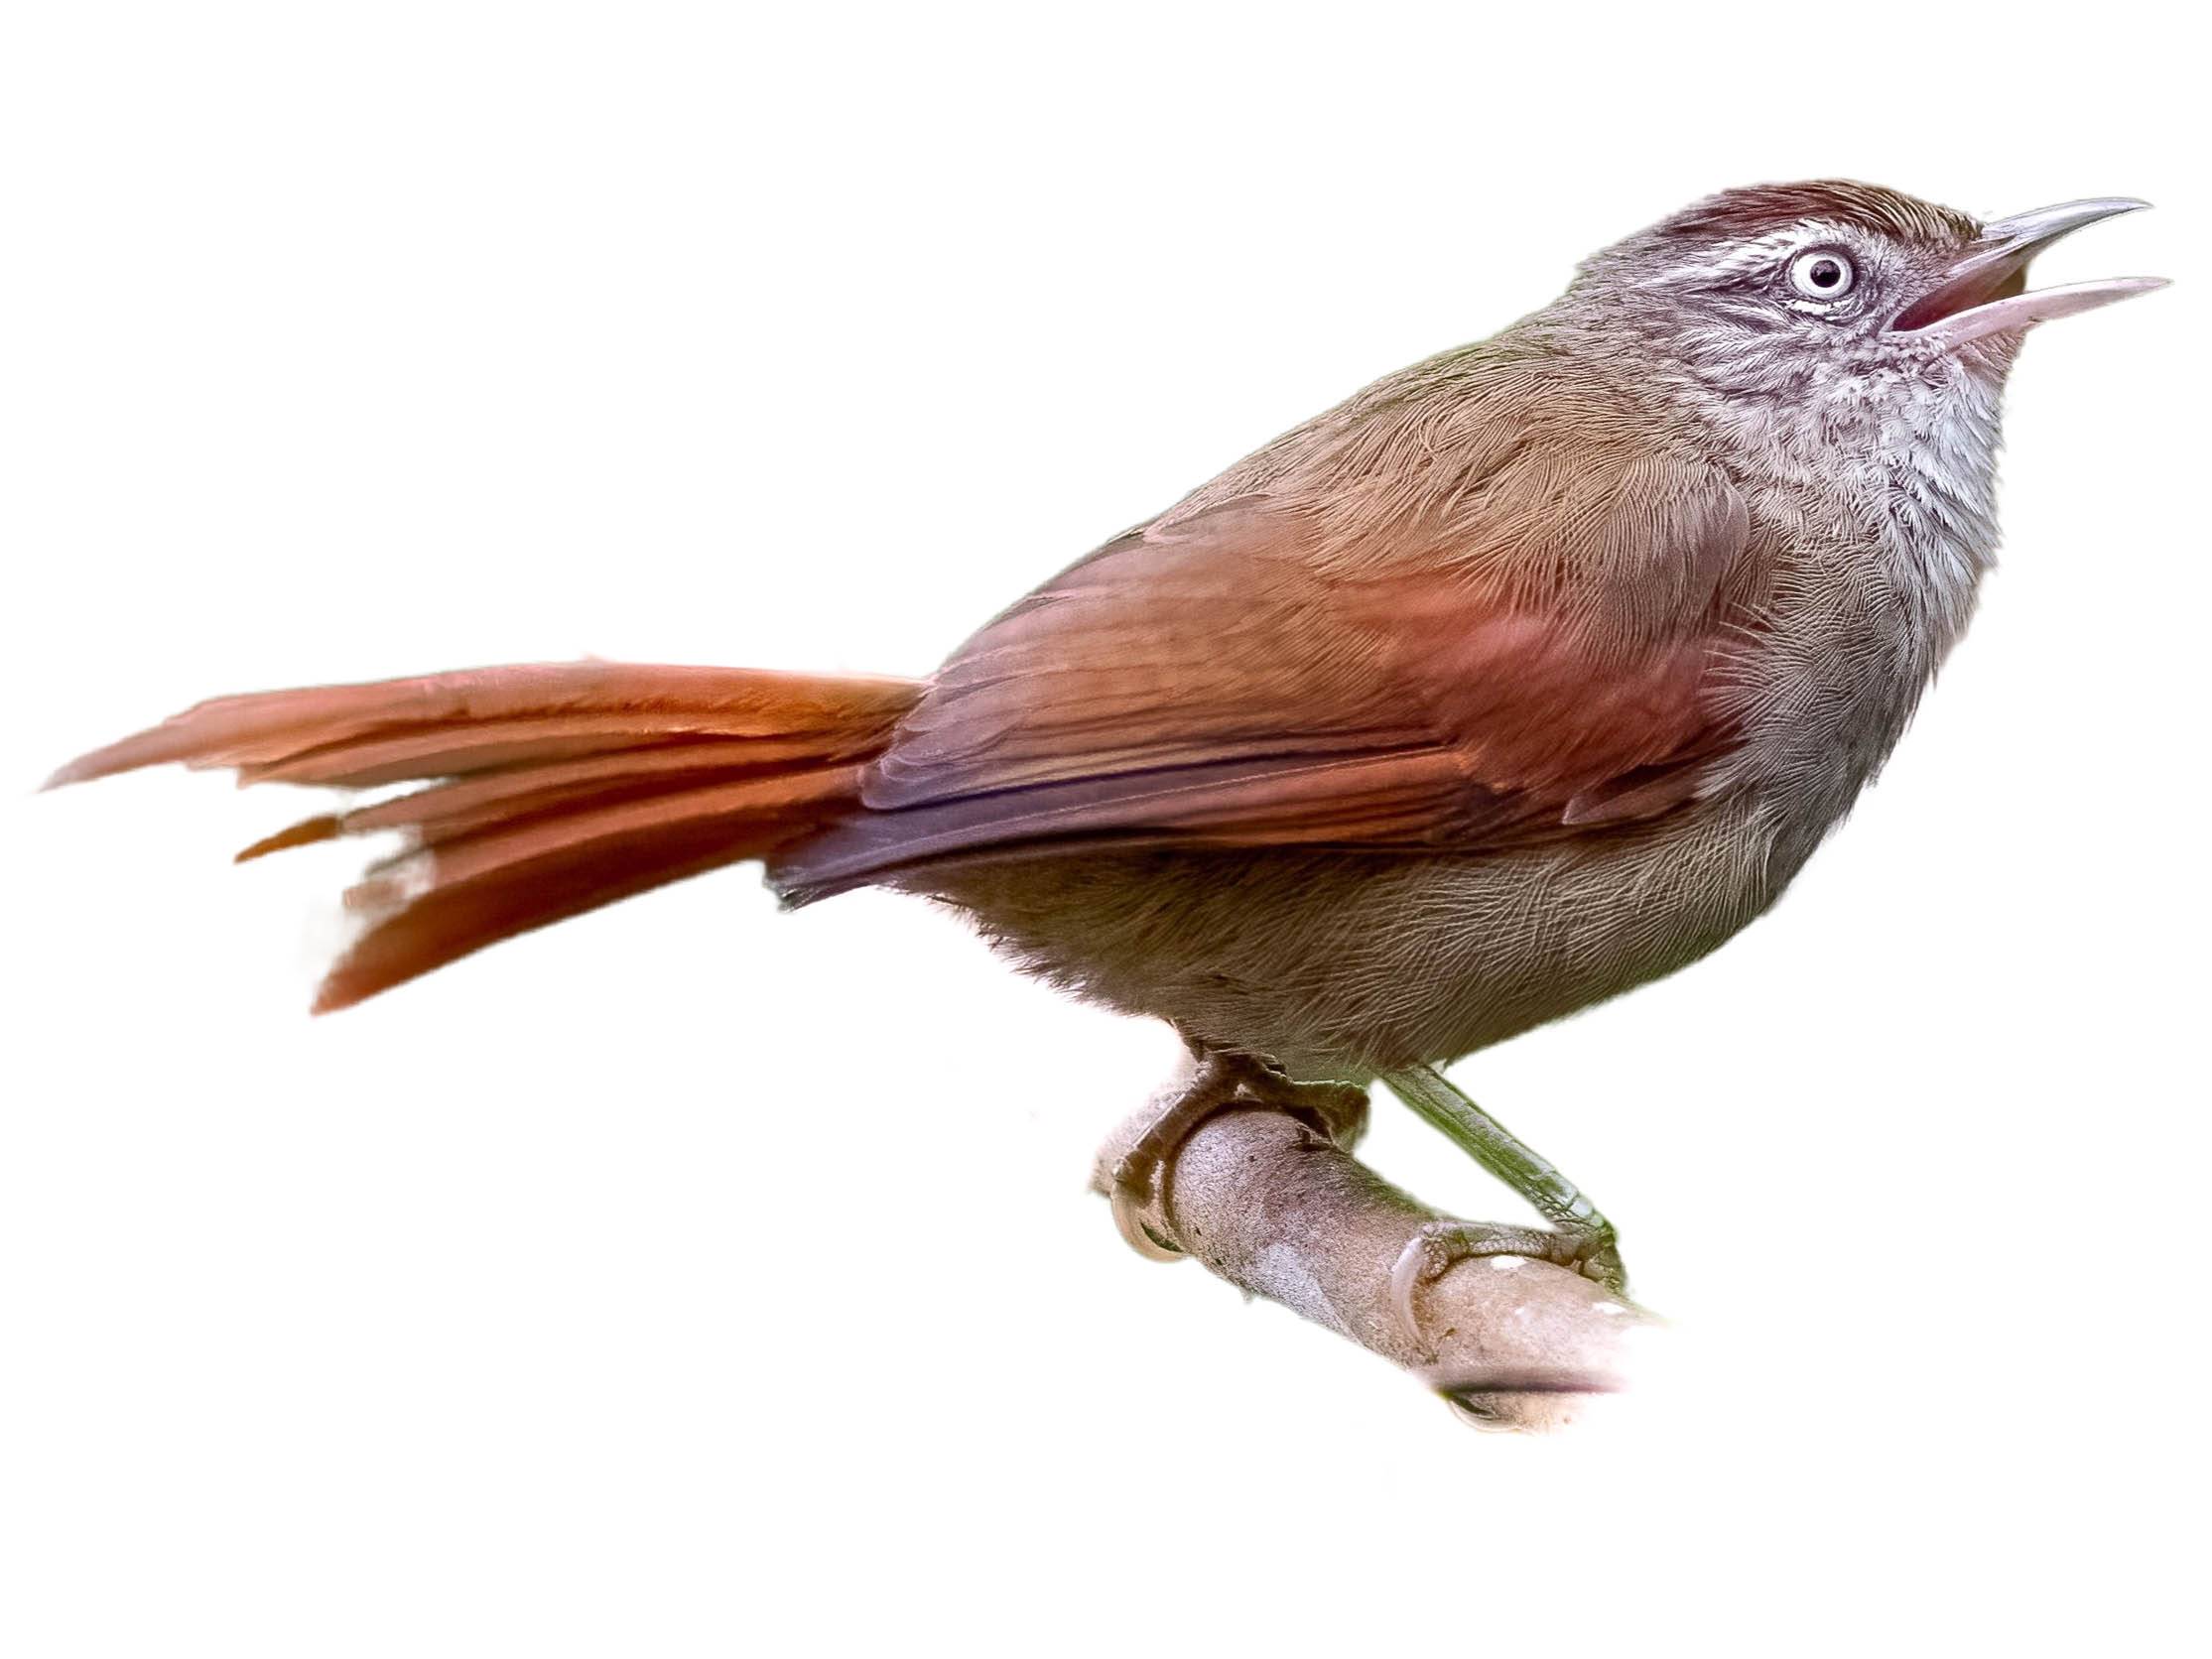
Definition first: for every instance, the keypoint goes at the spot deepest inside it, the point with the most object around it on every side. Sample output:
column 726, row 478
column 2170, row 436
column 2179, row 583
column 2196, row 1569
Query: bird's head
column 1835, row 295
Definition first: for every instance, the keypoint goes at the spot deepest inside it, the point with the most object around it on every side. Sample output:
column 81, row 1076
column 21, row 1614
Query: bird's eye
column 1823, row 274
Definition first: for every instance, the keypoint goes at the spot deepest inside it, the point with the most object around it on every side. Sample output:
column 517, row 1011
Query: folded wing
column 1529, row 650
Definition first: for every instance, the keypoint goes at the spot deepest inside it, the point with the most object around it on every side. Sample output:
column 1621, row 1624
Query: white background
column 692, row 1279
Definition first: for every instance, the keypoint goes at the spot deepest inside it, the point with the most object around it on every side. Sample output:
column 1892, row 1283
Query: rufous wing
column 1533, row 656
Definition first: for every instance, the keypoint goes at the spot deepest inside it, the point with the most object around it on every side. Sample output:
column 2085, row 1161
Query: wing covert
column 1529, row 652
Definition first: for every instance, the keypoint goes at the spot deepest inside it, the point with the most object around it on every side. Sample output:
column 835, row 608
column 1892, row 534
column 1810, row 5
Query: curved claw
column 1438, row 1245
column 1407, row 1274
column 1337, row 1111
column 1128, row 1220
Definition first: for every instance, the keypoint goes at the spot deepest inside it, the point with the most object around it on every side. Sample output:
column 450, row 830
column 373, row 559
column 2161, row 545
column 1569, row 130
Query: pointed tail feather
column 551, row 789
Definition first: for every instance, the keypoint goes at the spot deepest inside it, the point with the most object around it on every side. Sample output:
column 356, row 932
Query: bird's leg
column 1139, row 1177
column 1580, row 1237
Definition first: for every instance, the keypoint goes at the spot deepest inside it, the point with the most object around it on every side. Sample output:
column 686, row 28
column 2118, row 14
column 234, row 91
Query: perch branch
column 1277, row 1209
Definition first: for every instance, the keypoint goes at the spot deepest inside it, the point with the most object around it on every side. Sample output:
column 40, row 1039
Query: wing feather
column 1531, row 648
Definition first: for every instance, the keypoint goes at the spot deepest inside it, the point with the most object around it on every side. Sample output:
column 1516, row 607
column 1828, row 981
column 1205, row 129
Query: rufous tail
column 551, row 789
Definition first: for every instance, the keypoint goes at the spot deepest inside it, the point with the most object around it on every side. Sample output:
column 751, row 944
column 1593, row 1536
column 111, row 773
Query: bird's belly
column 1349, row 964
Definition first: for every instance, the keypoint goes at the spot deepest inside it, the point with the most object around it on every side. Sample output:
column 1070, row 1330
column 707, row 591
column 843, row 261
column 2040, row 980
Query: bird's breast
column 1866, row 599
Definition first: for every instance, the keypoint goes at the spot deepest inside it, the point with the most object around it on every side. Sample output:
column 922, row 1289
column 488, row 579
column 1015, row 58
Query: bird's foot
column 1592, row 1250
column 1138, row 1182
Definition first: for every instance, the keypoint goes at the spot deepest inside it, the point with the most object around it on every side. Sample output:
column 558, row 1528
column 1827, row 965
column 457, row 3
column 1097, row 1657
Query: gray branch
column 1278, row 1209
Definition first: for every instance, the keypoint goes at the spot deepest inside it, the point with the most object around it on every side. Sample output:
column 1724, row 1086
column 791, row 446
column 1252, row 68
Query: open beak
column 1983, row 293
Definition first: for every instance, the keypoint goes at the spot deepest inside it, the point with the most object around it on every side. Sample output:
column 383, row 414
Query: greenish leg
column 1581, row 1237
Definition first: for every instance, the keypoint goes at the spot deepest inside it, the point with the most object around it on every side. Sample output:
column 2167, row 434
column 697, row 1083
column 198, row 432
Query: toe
column 1128, row 1220
column 1415, row 1266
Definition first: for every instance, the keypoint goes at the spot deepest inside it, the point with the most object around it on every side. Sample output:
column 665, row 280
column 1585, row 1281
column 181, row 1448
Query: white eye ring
column 1823, row 274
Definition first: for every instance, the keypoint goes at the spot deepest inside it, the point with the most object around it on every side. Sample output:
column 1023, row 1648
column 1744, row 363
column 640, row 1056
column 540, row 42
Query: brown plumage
column 565, row 787
column 1526, row 675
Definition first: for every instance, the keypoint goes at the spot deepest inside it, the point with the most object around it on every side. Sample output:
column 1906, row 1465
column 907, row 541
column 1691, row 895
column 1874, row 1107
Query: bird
column 1525, row 676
